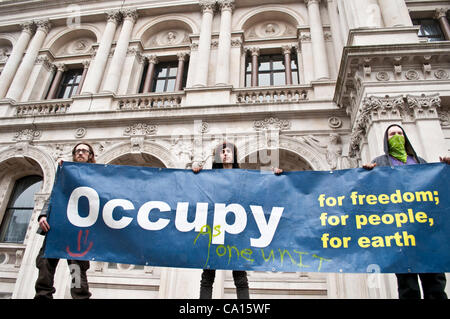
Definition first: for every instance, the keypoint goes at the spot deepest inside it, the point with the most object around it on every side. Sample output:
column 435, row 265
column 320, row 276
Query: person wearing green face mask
column 399, row 151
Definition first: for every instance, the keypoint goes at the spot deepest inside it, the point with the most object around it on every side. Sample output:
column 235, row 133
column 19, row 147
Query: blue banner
column 390, row 220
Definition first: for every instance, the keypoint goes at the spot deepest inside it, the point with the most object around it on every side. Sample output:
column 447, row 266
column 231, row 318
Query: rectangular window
column 69, row 83
column 429, row 29
column 165, row 75
column 271, row 70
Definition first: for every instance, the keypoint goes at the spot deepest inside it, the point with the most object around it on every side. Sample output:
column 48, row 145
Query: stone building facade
column 300, row 84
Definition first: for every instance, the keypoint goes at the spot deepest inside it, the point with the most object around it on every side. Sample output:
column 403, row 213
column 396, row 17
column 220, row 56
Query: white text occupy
column 266, row 229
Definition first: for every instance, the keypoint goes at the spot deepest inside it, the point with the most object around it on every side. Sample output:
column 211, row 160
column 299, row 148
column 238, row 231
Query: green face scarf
column 397, row 148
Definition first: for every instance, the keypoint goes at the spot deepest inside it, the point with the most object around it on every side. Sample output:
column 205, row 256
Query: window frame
column 65, row 83
column 272, row 57
column 11, row 209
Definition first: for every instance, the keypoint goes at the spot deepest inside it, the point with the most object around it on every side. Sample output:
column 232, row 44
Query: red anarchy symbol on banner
column 80, row 233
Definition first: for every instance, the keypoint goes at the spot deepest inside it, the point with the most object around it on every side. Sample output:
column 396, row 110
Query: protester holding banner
column 399, row 151
column 83, row 153
column 225, row 156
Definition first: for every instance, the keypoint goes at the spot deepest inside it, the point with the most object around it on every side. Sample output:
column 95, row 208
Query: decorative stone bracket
column 405, row 108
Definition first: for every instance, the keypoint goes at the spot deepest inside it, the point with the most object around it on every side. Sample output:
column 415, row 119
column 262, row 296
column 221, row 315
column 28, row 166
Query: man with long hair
column 82, row 153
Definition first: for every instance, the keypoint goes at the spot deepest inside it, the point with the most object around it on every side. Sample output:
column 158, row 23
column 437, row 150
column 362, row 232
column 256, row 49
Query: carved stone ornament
column 80, row 132
column 140, row 129
column 371, row 104
column 169, row 37
column 4, row 53
column 441, row 74
column 334, row 122
column 382, row 76
column 444, row 118
column 27, row 135
column 272, row 123
column 423, row 101
column 412, row 75
column 204, row 127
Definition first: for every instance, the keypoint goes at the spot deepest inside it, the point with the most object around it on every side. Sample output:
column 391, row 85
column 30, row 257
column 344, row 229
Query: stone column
column 16, row 89
column 255, row 65
column 361, row 13
column 287, row 63
column 152, row 61
column 60, row 69
column 83, row 76
column 95, row 72
column 120, row 52
column 394, row 13
column 204, row 46
column 15, row 57
column 180, row 71
column 428, row 125
column 335, row 30
column 223, row 56
column 318, row 41
column 343, row 21
column 440, row 15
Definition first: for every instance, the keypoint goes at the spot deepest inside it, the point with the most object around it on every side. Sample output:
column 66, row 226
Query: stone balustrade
column 43, row 108
column 282, row 94
column 11, row 256
column 151, row 101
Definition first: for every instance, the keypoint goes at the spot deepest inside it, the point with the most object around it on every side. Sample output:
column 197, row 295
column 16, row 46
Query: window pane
column 429, row 30
column 173, row 71
column 66, row 94
column 16, row 226
column 160, row 86
column 248, row 80
column 24, row 191
column 293, row 65
column 278, row 65
column 279, row 78
column 249, row 67
column 264, row 66
column 294, row 77
column 170, row 85
column 264, row 79
column 162, row 73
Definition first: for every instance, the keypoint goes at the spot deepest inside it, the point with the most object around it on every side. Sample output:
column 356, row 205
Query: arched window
column 20, row 207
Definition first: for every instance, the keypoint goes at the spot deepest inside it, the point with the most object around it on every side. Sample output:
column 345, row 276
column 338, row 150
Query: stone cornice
column 382, row 65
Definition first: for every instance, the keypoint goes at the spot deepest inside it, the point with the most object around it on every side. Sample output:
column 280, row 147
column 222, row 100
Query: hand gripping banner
column 394, row 220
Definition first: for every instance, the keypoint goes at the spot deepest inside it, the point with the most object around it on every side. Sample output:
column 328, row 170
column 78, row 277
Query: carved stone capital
column 309, row 2
column 423, row 101
column 28, row 27
column 207, row 5
column 43, row 25
column 226, row 5
column 113, row 16
column 152, row 59
column 440, row 13
column 130, row 14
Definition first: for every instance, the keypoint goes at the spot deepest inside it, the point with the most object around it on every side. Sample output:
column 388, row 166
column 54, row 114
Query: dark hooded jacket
column 385, row 159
